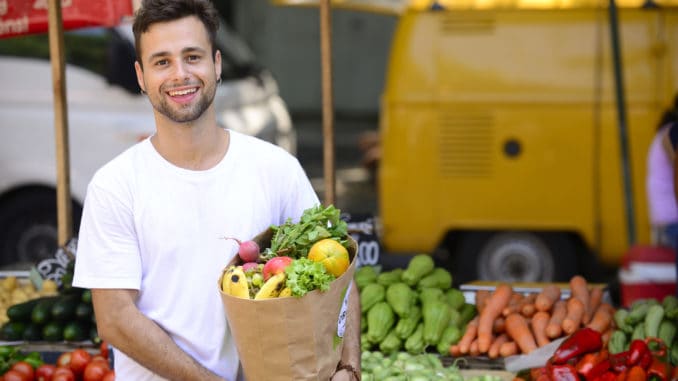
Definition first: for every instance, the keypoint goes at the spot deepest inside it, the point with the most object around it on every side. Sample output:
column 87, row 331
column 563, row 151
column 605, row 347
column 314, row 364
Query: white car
column 106, row 115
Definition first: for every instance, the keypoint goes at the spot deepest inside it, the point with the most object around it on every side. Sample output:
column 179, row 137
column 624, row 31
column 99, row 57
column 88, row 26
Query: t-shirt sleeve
column 108, row 253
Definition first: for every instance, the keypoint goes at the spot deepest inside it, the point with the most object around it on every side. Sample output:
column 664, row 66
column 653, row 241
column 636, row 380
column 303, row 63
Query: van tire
column 516, row 256
column 28, row 226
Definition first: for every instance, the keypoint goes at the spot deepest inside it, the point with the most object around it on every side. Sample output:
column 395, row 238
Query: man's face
column 179, row 72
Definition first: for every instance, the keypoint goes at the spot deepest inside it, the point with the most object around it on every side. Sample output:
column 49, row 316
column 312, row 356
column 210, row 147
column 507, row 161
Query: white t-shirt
column 151, row 226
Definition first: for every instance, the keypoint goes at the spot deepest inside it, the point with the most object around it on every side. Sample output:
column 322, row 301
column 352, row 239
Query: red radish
column 249, row 265
column 275, row 265
column 247, row 250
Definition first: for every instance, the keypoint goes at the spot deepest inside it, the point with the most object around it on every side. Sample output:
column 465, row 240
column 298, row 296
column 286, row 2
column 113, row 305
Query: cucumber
column 64, row 308
column 13, row 330
column 33, row 332
column 53, row 331
column 76, row 331
column 22, row 311
column 41, row 313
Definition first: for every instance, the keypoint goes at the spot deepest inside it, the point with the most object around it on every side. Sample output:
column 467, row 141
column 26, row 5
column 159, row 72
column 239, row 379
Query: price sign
column 362, row 229
column 54, row 268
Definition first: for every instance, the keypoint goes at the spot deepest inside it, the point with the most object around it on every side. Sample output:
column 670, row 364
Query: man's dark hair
column 155, row 11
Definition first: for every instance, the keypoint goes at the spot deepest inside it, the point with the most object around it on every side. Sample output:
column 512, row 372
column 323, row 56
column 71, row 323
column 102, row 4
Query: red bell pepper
column 638, row 350
column 582, row 341
column 659, row 369
column 618, row 361
column 562, row 372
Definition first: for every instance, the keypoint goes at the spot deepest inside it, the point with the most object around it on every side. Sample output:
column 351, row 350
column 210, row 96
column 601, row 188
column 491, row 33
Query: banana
column 226, row 279
column 238, row 284
column 285, row 292
column 272, row 287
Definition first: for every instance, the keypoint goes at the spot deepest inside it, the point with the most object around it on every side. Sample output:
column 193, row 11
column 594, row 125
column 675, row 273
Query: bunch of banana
column 250, row 285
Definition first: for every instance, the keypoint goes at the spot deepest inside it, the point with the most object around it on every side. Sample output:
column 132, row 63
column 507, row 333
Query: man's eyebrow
column 188, row 49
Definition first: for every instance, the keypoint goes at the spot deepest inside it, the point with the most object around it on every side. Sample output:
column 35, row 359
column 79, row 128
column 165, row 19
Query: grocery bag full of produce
column 287, row 306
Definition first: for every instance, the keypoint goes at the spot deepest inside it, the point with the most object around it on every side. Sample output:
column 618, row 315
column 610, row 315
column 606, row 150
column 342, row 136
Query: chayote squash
column 406, row 326
column 438, row 278
column 419, row 266
column 427, row 295
column 391, row 343
column 415, row 343
column 365, row 275
column 451, row 335
column 454, row 298
column 380, row 320
column 372, row 294
column 387, row 278
column 436, row 317
column 401, row 298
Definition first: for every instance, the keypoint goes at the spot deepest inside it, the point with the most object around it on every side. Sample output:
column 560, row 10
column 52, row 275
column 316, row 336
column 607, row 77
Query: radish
column 247, row 250
column 249, row 265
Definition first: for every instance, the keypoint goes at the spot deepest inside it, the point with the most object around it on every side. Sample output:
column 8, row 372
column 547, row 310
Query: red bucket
column 647, row 272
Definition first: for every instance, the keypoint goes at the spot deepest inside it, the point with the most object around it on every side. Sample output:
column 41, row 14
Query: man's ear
column 217, row 63
column 140, row 76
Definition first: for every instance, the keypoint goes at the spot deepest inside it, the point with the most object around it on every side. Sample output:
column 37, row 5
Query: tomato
column 110, row 376
column 13, row 375
column 95, row 371
column 45, row 372
column 64, row 360
column 103, row 349
column 25, row 368
column 63, row 374
column 79, row 360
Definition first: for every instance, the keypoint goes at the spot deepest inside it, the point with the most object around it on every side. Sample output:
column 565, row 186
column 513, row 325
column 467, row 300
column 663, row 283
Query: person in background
column 662, row 204
column 150, row 246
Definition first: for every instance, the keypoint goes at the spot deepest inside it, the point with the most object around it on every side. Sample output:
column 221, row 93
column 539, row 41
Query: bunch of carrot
column 510, row 323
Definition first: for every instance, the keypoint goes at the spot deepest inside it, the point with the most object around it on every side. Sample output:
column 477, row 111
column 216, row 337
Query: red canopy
column 21, row 17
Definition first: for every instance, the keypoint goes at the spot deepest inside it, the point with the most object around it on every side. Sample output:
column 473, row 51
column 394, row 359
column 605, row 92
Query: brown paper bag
column 291, row 339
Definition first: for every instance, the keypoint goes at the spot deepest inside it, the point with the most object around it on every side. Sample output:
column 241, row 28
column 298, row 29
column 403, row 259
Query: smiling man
column 149, row 243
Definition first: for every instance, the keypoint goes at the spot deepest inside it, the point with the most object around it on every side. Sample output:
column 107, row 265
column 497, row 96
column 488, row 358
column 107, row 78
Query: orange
column 331, row 254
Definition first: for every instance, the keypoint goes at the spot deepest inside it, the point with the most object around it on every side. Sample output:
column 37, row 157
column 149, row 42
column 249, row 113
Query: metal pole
column 327, row 100
column 621, row 115
column 56, row 49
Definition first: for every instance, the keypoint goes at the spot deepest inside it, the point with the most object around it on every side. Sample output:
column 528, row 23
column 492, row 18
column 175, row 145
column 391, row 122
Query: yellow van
column 499, row 132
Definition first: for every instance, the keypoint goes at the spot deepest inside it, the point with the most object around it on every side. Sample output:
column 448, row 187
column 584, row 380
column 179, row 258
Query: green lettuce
column 305, row 275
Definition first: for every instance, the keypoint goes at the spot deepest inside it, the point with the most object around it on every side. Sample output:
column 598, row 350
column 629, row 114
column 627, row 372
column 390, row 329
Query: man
column 149, row 243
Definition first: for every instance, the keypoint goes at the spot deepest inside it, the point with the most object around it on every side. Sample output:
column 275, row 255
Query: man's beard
column 185, row 113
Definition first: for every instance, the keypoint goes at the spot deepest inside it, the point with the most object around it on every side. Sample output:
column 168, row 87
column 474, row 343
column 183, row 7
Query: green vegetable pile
column 295, row 239
column 647, row 318
column 413, row 309
column 403, row 366
column 10, row 355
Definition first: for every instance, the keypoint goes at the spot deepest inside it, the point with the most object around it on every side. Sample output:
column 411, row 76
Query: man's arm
column 121, row 324
column 350, row 354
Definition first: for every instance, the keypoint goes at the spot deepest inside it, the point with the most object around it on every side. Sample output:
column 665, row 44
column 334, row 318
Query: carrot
column 495, row 304
column 539, row 322
column 527, row 307
column 513, row 305
column 596, row 298
column 469, row 335
column 517, row 329
column 547, row 297
column 454, row 350
column 602, row 319
column 493, row 353
column 555, row 327
column 481, row 299
column 473, row 349
column 499, row 325
column 574, row 316
column 579, row 289
column 508, row 348
column 605, row 337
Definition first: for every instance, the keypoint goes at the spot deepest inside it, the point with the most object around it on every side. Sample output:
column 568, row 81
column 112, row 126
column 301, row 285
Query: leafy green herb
column 295, row 240
column 305, row 275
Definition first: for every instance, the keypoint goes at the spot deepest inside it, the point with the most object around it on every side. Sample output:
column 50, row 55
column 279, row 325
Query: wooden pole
column 56, row 49
column 327, row 100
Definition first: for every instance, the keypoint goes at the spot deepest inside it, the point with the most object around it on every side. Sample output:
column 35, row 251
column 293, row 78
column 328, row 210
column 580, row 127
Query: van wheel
column 516, row 257
column 28, row 227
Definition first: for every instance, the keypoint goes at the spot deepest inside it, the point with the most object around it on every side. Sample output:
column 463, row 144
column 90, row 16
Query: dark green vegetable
column 620, row 320
column 42, row 312
column 667, row 331
column 637, row 312
column 53, row 331
column 401, row 298
column 618, row 342
column 64, row 308
column 22, row 311
column 13, row 330
column 76, row 331
column 380, row 320
column 33, row 332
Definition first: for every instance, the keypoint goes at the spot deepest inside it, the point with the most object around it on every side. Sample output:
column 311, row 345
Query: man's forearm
column 141, row 339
